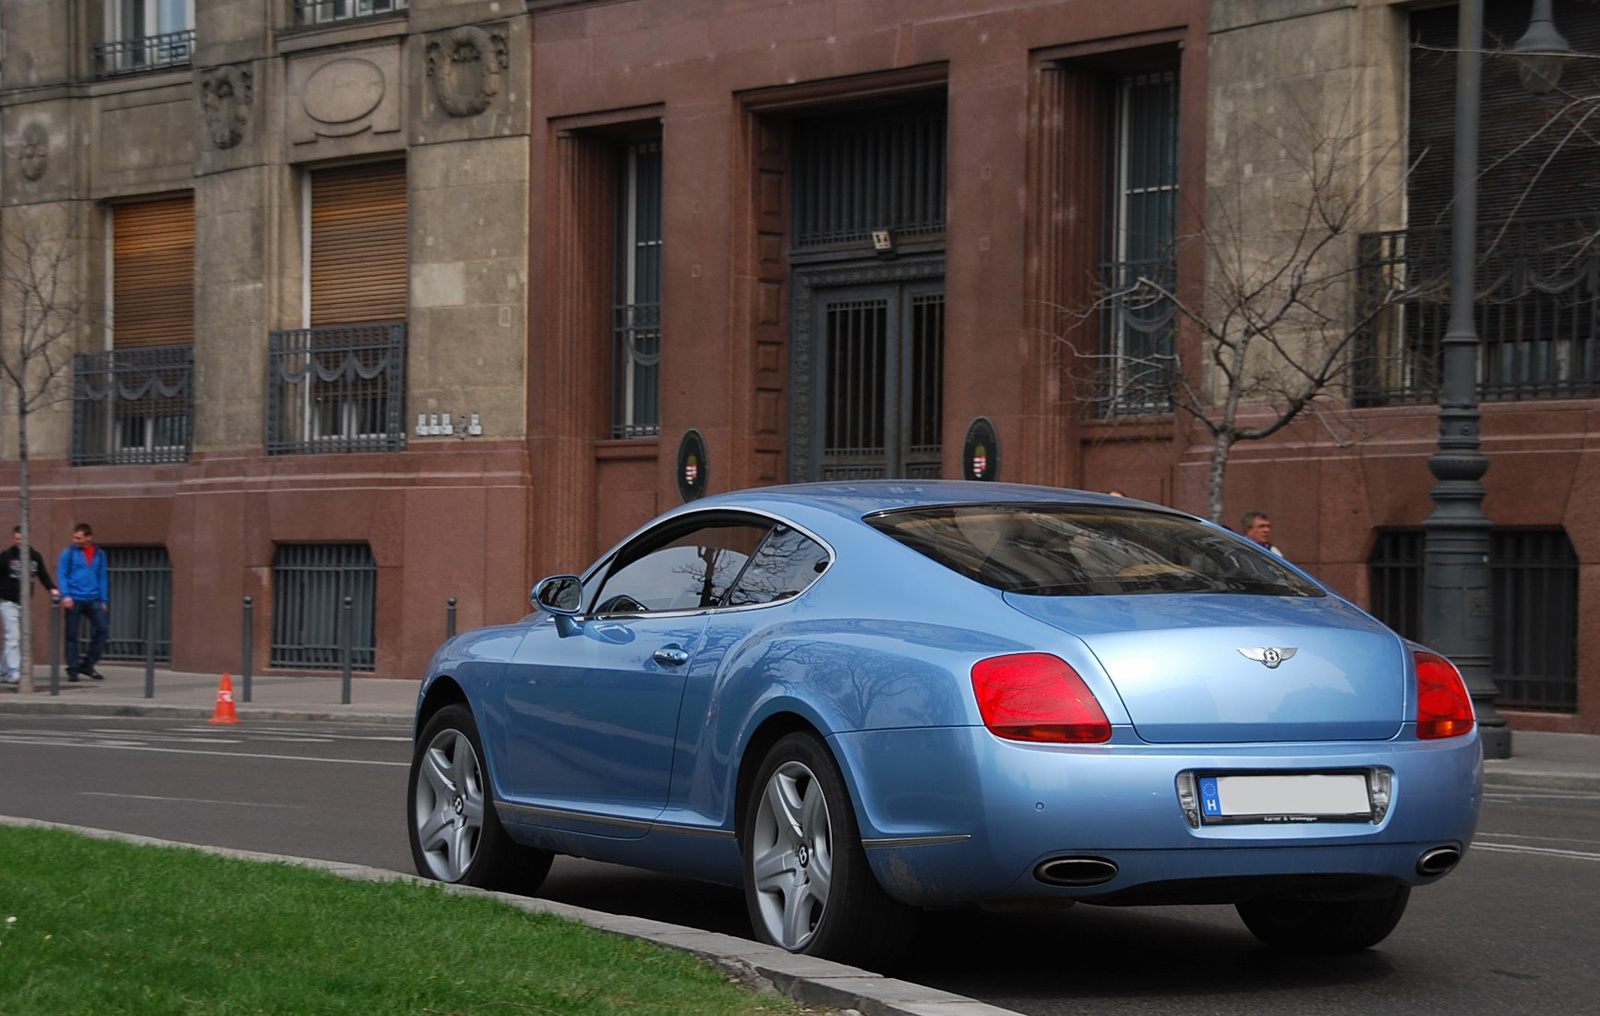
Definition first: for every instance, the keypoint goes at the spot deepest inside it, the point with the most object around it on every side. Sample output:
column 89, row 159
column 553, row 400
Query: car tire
column 807, row 883
column 1324, row 925
column 456, row 835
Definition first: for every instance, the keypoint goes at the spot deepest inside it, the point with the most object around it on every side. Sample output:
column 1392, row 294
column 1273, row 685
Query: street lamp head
column 1541, row 51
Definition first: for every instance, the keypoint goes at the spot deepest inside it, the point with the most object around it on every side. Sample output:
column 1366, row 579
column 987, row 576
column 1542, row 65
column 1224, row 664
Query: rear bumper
column 954, row 815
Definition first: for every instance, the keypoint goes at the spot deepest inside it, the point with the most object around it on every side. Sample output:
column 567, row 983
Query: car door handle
column 670, row 656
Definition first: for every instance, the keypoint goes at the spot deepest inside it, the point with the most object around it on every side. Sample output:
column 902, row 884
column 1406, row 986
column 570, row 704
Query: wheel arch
column 443, row 691
column 770, row 731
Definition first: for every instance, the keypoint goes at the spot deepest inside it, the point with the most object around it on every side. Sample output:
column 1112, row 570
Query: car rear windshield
column 1084, row 550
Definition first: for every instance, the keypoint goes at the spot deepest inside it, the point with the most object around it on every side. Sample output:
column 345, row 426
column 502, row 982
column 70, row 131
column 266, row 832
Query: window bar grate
column 309, row 584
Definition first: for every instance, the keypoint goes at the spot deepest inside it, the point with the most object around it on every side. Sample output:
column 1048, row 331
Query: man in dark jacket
column 85, row 588
column 10, row 601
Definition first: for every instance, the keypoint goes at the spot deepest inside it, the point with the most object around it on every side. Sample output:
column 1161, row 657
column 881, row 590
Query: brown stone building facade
column 415, row 302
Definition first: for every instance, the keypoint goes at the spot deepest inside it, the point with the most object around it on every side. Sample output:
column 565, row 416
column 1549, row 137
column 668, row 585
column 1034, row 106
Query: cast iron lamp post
column 1457, row 606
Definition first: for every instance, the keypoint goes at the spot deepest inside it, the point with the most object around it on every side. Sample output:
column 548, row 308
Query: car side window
column 787, row 563
column 690, row 571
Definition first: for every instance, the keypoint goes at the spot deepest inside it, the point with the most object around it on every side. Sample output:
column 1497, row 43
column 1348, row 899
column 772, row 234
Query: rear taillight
column 1444, row 709
column 1037, row 697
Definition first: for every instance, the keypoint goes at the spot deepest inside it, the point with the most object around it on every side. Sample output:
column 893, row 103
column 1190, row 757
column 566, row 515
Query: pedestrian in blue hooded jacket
column 85, row 588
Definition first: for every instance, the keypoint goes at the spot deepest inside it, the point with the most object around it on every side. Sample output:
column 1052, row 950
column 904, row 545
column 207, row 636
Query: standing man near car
column 85, row 588
column 1257, row 527
column 10, row 601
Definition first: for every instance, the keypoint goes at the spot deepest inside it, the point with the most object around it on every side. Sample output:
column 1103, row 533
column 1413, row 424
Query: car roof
column 859, row 498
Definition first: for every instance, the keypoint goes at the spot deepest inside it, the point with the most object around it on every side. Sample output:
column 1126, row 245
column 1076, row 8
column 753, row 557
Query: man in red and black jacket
column 10, row 601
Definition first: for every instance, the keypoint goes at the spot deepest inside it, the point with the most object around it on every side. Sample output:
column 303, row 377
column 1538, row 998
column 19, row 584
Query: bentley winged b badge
column 1269, row 656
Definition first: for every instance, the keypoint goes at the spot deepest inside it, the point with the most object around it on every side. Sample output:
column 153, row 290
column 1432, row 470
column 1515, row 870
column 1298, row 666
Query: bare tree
column 1271, row 333
column 45, row 309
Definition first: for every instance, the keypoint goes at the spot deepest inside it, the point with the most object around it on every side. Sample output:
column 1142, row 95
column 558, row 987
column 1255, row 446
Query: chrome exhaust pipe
column 1438, row 861
column 1075, row 872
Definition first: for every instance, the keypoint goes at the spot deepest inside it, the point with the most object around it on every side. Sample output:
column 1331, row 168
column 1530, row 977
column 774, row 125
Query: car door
column 591, row 717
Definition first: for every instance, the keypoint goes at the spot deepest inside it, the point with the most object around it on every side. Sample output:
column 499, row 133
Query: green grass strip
column 105, row 927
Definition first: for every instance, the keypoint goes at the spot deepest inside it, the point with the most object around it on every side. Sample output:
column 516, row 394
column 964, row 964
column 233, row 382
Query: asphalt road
column 1513, row 930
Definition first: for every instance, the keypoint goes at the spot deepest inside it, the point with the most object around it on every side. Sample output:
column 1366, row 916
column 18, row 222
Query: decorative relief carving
column 341, row 94
column 34, row 153
column 351, row 98
column 225, row 95
column 466, row 66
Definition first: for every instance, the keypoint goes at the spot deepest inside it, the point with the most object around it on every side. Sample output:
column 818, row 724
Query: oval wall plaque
column 692, row 466
column 343, row 90
column 980, row 456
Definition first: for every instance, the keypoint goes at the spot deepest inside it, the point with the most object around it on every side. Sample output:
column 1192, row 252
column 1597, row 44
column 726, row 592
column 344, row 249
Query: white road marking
column 296, row 740
column 1505, row 794
column 1517, row 848
column 185, row 800
column 130, row 746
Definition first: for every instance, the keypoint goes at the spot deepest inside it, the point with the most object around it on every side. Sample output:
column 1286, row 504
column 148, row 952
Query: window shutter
column 358, row 244
column 152, row 276
column 1530, row 163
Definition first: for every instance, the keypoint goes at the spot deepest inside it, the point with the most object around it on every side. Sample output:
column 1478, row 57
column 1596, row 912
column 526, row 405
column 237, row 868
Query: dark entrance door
column 877, row 381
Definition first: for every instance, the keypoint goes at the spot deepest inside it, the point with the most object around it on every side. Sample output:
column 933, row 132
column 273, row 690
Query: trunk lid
column 1228, row 668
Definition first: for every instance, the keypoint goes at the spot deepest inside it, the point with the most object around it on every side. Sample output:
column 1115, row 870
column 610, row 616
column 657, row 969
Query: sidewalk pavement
column 177, row 694
column 1550, row 761
column 1540, row 760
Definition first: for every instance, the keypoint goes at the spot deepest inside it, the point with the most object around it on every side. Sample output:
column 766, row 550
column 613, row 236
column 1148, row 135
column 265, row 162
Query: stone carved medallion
column 225, row 94
column 35, row 151
column 466, row 66
column 340, row 95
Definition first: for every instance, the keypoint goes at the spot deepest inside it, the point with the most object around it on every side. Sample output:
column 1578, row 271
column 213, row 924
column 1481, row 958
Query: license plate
column 1300, row 797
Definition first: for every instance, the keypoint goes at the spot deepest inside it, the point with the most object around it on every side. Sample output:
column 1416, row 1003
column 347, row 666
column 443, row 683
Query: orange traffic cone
column 225, row 712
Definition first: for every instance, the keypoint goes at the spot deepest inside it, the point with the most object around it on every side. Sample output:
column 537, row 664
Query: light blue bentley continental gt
column 859, row 700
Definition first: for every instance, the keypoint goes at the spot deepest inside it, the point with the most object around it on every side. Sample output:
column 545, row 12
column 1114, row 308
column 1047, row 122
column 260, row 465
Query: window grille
column 310, row 582
column 1531, row 163
column 337, row 389
column 1395, row 573
column 327, row 12
column 145, row 35
column 151, row 53
column 1138, row 323
column 134, row 574
column 881, row 359
column 856, row 352
column 1537, row 311
column 1533, row 578
column 926, row 383
column 636, row 314
column 133, row 406
column 860, row 173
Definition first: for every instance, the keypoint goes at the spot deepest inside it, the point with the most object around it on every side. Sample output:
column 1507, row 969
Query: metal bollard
column 249, row 631
column 150, row 646
column 344, row 647
column 55, row 645
column 450, row 619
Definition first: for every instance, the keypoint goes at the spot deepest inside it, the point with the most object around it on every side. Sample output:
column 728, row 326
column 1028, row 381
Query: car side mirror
column 561, row 595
